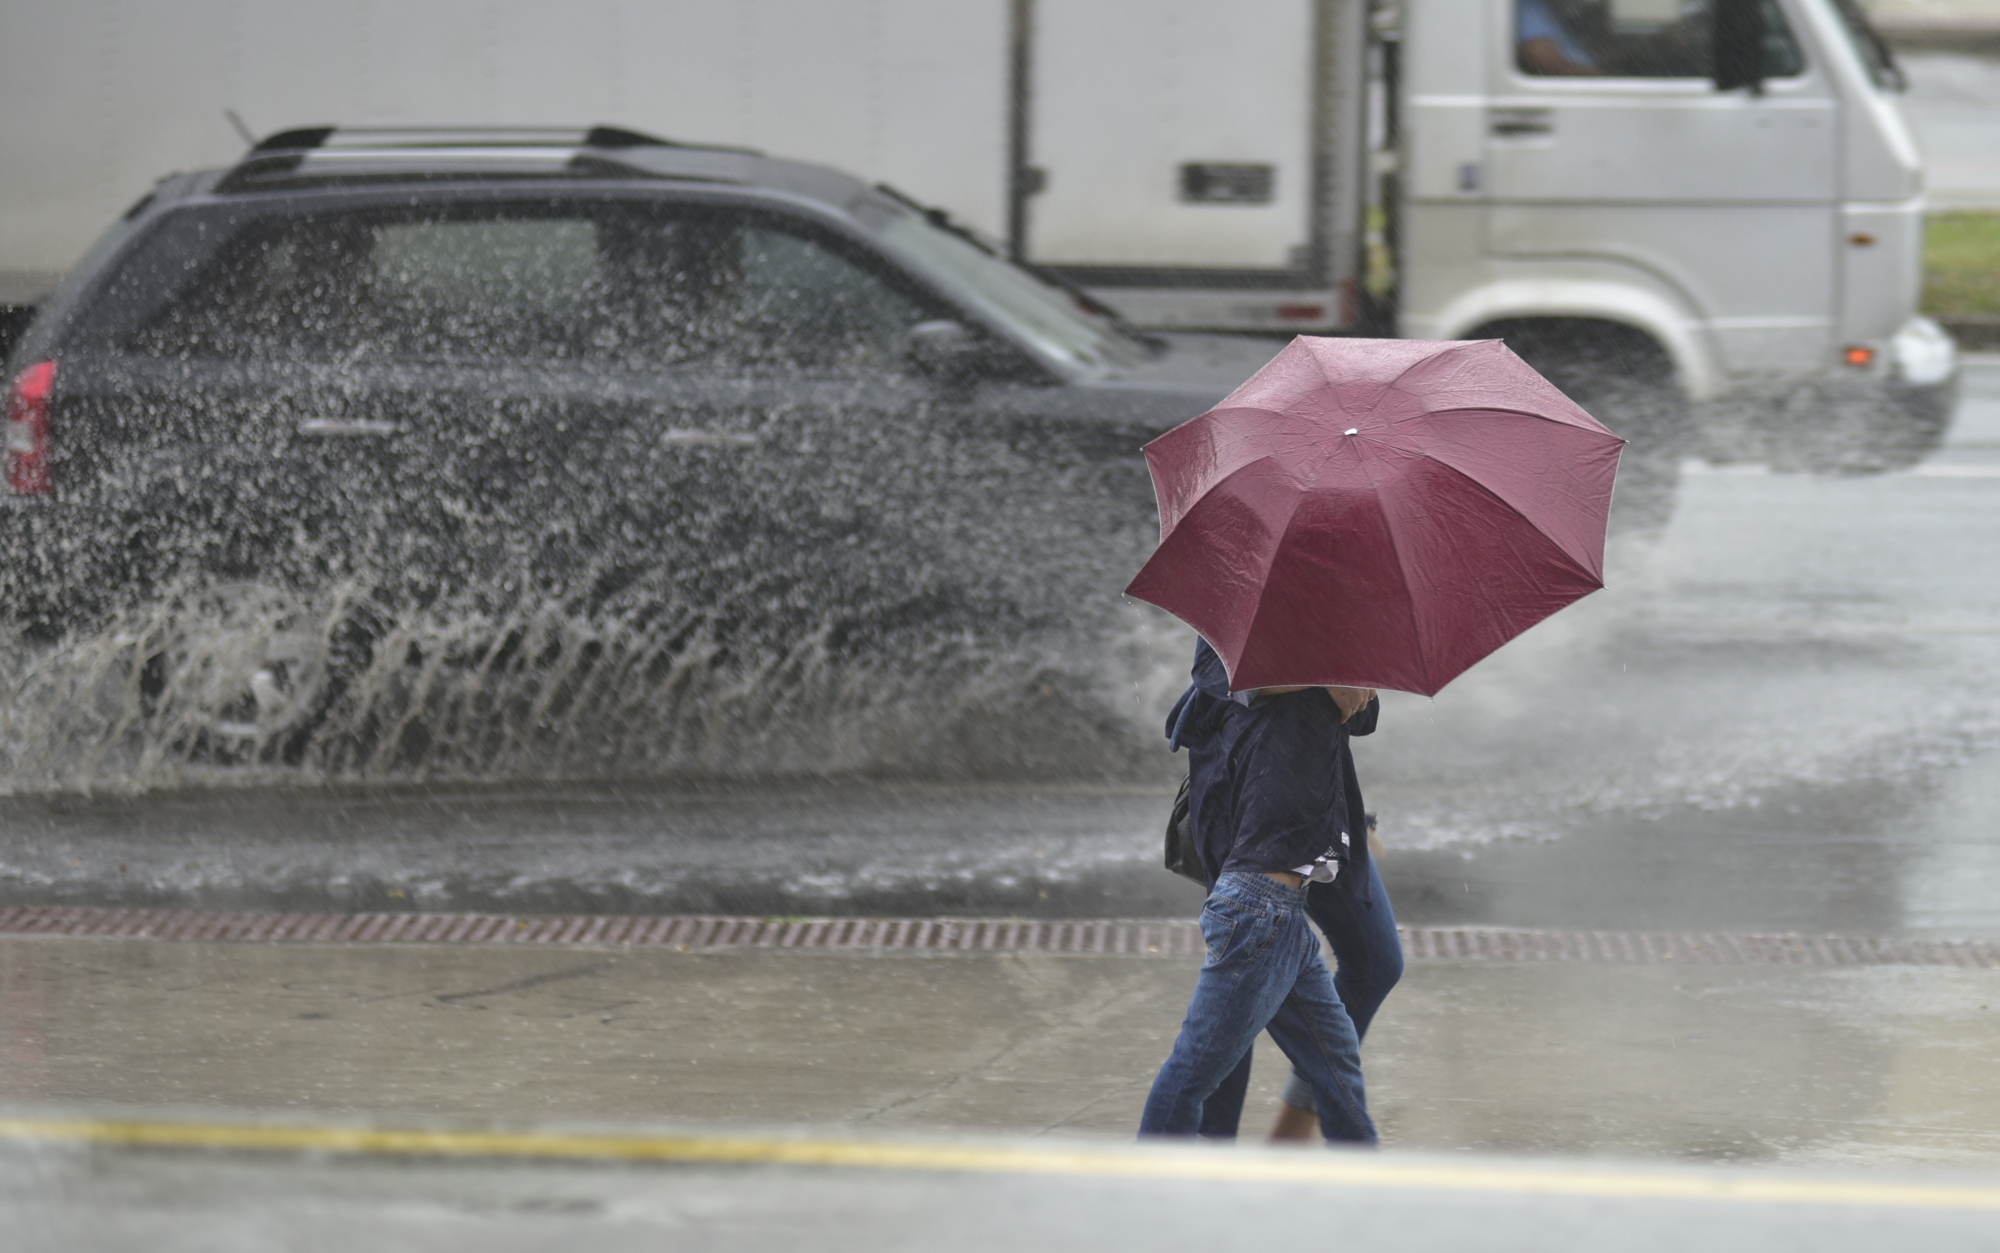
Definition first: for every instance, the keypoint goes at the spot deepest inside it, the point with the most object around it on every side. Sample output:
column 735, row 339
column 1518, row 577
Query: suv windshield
column 1055, row 321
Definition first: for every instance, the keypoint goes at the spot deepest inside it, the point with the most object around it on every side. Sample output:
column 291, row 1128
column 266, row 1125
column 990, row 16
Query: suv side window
column 620, row 283
column 804, row 300
column 1636, row 39
column 746, row 289
column 366, row 285
column 525, row 287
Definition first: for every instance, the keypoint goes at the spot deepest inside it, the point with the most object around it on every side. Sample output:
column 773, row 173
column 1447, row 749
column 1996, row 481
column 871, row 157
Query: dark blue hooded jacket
column 1272, row 781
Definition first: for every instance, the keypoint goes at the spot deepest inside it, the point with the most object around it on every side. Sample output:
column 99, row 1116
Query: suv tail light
column 28, row 430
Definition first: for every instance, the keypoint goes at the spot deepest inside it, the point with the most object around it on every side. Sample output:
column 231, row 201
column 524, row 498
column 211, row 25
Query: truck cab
column 1727, row 184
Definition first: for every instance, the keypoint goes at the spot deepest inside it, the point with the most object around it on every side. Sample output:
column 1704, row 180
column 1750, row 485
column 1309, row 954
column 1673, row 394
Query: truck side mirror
column 1738, row 52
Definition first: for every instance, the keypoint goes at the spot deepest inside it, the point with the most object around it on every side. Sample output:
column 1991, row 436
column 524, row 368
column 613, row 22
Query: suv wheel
column 241, row 666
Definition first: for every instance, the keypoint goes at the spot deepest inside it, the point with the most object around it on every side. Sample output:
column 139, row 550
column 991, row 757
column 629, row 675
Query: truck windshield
column 1870, row 46
column 1057, row 322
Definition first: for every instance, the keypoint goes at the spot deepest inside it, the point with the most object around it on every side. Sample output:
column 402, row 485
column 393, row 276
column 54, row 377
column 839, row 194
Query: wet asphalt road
column 1954, row 104
column 1781, row 715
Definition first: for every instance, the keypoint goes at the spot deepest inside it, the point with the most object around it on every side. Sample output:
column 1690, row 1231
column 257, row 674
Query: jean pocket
column 1220, row 921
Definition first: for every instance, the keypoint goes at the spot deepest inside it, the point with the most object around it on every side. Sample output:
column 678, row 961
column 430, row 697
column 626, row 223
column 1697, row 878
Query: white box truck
column 1718, row 191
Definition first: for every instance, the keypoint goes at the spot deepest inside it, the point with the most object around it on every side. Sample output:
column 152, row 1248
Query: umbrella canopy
column 1378, row 512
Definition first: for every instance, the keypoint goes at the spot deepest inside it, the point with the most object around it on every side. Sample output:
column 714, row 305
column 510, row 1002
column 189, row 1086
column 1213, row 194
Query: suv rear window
column 616, row 283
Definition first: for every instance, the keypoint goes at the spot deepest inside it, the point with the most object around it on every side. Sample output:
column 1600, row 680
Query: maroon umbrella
column 1378, row 512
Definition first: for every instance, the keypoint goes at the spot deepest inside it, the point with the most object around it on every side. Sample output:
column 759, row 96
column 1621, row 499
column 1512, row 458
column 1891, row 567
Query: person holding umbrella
column 1360, row 514
column 1269, row 799
column 1352, row 910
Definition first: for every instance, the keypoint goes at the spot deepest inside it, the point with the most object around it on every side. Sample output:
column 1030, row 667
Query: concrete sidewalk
column 1768, row 1063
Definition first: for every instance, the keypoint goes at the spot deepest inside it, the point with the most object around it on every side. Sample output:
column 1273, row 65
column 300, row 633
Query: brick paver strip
column 1137, row 937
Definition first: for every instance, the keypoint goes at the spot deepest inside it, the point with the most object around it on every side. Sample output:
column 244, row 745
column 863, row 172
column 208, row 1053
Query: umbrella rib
column 1464, row 345
column 1575, row 565
column 1529, row 413
column 1396, row 545
column 1519, row 413
column 1510, row 507
column 1404, row 372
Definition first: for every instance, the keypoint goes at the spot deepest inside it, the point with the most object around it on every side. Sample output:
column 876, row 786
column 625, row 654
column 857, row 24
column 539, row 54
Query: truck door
column 1179, row 152
column 1610, row 152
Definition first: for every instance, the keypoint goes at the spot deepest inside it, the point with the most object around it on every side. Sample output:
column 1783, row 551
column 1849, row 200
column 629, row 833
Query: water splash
column 245, row 683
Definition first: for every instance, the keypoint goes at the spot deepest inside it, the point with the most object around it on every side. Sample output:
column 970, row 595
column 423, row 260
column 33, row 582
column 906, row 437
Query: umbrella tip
column 1354, row 430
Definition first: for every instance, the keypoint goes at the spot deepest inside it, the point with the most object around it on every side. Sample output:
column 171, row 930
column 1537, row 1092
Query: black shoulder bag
column 1182, row 856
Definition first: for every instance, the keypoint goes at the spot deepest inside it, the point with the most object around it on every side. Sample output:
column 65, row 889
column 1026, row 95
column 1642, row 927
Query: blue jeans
column 1263, row 971
column 1368, row 960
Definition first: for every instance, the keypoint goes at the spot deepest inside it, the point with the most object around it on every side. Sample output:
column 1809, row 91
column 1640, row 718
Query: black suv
column 744, row 411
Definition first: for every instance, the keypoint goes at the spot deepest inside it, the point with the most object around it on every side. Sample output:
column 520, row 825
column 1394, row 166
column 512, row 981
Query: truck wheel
column 1624, row 379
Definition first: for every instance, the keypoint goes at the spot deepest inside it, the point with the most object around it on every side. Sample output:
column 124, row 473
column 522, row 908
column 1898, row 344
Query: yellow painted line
column 1355, row 1169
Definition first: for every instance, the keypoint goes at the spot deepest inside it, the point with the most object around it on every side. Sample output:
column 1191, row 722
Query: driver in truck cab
column 1579, row 38
column 1544, row 43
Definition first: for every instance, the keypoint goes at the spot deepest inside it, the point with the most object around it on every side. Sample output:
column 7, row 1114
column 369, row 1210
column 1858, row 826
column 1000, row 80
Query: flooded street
column 587, row 630
column 1780, row 715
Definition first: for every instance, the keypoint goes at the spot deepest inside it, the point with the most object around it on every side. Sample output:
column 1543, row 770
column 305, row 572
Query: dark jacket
column 1271, row 781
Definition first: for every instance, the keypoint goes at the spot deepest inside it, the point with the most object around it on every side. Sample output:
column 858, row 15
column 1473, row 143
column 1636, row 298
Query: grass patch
column 1962, row 264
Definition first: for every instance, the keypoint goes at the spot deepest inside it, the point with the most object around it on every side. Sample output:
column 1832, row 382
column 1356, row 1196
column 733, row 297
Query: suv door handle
column 682, row 437
column 345, row 428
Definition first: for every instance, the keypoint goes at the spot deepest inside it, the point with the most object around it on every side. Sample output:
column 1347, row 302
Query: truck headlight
column 1922, row 354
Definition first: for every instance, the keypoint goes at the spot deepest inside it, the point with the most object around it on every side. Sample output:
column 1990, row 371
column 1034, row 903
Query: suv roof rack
column 334, row 154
